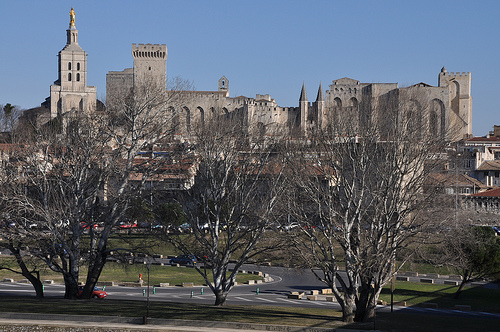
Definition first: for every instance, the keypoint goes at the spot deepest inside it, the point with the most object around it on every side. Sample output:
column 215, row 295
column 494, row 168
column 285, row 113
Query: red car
column 87, row 226
column 134, row 225
column 96, row 294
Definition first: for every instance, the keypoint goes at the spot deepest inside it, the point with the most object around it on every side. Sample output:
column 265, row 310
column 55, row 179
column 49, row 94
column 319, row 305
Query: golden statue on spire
column 72, row 17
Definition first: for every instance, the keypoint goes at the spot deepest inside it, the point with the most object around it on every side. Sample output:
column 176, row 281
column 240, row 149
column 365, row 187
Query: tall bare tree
column 358, row 190
column 136, row 120
column 237, row 186
column 52, row 187
column 76, row 174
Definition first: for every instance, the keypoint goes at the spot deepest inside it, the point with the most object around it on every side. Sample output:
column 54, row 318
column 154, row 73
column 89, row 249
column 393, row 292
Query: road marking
column 264, row 299
column 242, row 299
column 287, row 300
column 319, row 303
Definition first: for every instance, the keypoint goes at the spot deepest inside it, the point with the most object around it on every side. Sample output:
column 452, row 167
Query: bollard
column 192, row 294
column 154, row 290
column 258, row 290
column 201, row 290
column 143, row 292
column 43, row 288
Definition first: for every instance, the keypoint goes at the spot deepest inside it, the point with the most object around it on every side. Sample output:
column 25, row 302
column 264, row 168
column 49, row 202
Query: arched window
column 69, row 77
column 69, row 65
column 433, row 123
column 78, row 77
column 200, row 115
column 353, row 102
column 78, row 66
column 188, row 119
column 437, row 118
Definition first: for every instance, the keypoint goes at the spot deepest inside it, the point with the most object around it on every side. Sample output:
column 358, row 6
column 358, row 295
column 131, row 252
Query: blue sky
column 260, row 46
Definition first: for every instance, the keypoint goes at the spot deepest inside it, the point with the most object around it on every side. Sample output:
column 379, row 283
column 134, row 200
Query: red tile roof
column 484, row 139
column 489, row 193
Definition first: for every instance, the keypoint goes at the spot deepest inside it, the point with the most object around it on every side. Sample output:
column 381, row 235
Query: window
column 69, row 77
column 78, row 66
column 69, row 65
column 78, row 77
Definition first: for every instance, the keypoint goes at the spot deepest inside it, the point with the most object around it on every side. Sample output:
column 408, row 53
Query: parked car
column 290, row 226
column 96, row 293
column 87, row 226
column 128, row 225
column 188, row 260
column 184, row 228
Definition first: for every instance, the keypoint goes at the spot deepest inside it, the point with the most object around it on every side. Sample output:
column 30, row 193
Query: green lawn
column 317, row 317
column 479, row 298
column 121, row 272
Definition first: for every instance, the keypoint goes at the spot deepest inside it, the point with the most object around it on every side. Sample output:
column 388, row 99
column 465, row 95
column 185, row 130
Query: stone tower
column 150, row 64
column 224, row 85
column 319, row 105
column 460, row 102
column 304, row 109
column 70, row 92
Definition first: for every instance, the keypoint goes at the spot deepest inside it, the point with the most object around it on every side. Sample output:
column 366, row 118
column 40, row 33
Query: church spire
column 303, row 94
column 320, row 93
column 72, row 32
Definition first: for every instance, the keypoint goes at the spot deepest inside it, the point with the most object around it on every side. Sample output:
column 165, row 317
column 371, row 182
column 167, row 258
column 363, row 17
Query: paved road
column 270, row 293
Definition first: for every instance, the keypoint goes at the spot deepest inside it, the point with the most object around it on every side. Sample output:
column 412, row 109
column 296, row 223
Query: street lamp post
column 145, row 320
column 149, row 268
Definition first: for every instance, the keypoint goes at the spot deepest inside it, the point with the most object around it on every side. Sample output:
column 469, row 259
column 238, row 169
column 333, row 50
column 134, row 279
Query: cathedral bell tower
column 70, row 92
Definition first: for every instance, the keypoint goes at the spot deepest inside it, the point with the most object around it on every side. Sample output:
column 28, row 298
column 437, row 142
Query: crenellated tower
column 150, row 64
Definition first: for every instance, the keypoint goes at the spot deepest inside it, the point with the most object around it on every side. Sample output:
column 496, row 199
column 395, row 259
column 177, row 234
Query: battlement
column 152, row 51
column 457, row 74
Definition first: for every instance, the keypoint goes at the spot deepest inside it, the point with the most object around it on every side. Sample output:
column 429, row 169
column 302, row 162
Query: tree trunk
column 71, row 286
column 220, row 297
column 93, row 274
column 35, row 280
column 365, row 306
column 37, row 284
column 348, row 309
column 460, row 288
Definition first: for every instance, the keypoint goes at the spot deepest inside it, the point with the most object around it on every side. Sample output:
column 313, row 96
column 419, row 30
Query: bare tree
column 136, row 120
column 237, row 186
column 14, row 241
column 52, row 188
column 76, row 174
column 358, row 190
